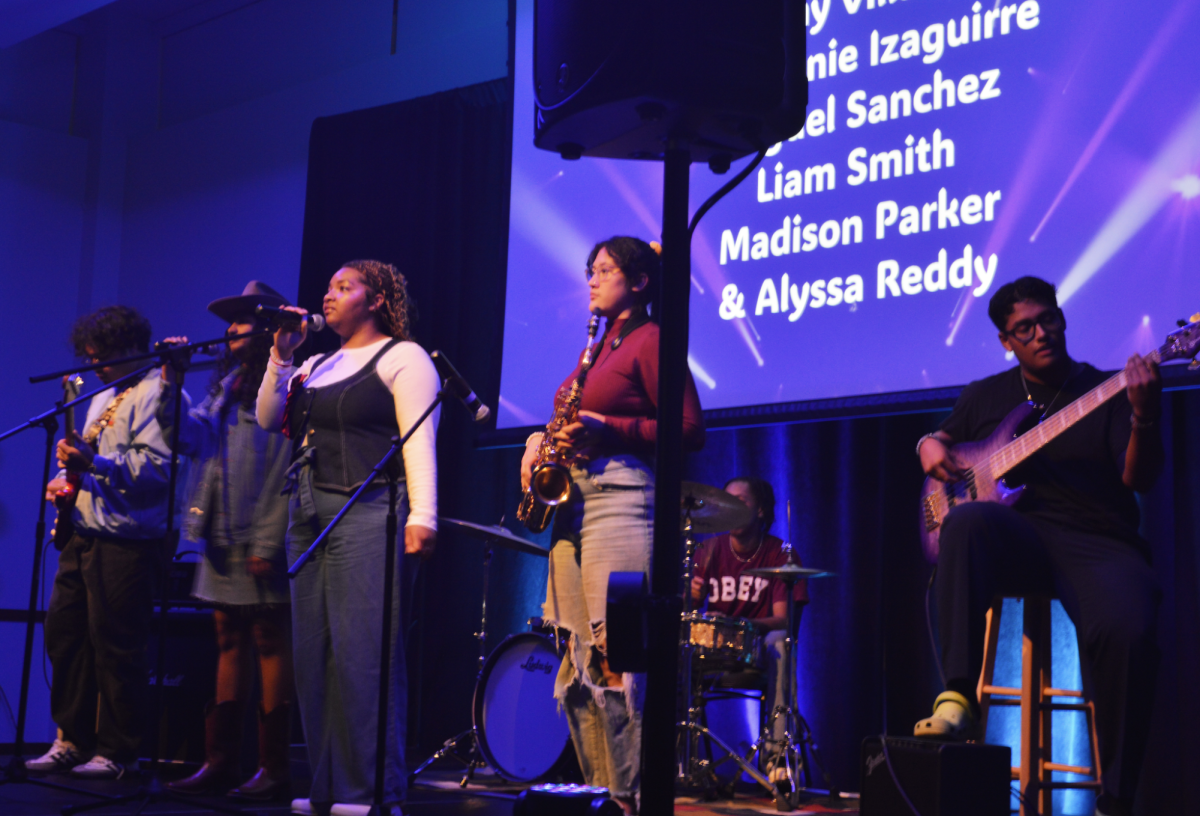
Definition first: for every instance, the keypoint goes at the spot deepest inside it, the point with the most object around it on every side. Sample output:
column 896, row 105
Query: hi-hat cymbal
column 496, row 534
column 712, row 509
column 788, row 573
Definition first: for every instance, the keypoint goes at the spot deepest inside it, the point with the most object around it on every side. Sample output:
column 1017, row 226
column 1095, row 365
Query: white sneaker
column 62, row 757
column 363, row 810
column 99, row 767
column 350, row 810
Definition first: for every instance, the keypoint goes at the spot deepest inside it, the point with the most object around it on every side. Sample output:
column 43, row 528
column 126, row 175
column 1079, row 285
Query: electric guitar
column 986, row 462
column 64, row 500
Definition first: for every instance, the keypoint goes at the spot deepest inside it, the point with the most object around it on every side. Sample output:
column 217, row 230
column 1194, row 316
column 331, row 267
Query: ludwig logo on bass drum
column 532, row 664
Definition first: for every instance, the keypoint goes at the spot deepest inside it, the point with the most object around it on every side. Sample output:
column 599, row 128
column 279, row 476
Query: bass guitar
column 986, row 462
column 64, row 500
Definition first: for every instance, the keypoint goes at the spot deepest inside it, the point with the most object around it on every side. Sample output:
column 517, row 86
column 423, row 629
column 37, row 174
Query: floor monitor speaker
column 939, row 778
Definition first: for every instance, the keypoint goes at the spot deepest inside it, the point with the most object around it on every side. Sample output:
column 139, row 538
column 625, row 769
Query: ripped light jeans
column 606, row 526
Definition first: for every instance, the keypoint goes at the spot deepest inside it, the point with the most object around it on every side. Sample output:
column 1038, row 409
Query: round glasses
column 602, row 272
column 1025, row 330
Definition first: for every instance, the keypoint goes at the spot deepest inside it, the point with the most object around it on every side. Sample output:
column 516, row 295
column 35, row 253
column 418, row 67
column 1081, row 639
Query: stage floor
column 436, row 793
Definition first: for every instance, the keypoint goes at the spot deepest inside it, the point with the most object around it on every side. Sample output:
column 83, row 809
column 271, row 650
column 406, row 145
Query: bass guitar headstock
column 1183, row 343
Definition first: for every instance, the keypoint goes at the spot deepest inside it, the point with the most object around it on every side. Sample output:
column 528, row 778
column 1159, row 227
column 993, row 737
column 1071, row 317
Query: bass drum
column 523, row 733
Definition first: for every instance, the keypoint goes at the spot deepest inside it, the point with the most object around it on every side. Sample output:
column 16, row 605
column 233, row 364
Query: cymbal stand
column 451, row 747
column 796, row 730
column 694, row 772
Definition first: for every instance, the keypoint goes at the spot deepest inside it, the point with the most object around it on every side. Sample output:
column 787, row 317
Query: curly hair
column 634, row 257
column 110, row 331
column 395, row 317
column 1012, row 293
column 763, row 493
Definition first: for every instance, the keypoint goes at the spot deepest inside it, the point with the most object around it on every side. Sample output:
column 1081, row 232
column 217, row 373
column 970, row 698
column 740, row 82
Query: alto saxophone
column 550, row 484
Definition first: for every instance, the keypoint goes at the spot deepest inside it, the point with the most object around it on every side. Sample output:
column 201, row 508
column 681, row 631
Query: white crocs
column 951, row 720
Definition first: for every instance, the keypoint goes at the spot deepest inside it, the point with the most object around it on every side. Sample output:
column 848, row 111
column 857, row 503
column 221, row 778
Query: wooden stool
column 1036, row 699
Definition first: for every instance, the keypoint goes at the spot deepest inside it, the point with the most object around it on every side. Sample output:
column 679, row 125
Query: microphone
column 283, row 317
column 457, row 386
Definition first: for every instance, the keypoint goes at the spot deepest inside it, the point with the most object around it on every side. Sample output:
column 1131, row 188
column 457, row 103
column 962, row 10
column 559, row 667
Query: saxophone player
column 606, row 523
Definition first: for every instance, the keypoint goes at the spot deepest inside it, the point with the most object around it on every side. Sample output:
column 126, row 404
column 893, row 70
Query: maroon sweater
column 622, row 386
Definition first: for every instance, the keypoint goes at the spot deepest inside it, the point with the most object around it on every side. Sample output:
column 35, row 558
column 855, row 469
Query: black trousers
column 97, row 627
column 1106, row 587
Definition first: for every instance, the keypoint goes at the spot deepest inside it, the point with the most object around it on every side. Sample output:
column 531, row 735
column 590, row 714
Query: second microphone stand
column 385, row 646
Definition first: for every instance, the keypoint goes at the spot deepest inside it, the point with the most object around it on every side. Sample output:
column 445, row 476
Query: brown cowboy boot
column 273, row 779
column 222, row 750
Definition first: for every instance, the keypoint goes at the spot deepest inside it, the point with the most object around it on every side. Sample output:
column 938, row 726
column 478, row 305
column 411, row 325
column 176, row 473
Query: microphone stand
column 385, row 647
column 159, row 354
column 16, row 772
column 178, row 358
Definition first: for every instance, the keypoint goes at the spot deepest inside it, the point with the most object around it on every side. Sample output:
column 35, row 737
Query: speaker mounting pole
column 658, row 725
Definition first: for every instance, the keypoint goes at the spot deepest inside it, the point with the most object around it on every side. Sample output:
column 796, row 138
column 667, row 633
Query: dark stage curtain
column 424, row 184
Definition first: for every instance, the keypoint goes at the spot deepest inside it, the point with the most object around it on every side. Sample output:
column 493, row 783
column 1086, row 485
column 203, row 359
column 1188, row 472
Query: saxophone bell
column 552, row 483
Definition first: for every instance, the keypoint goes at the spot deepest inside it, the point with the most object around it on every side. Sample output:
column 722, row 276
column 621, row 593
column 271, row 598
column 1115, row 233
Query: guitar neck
column 1033, row 440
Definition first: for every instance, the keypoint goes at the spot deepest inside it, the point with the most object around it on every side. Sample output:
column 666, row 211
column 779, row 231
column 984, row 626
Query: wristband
column 277, row 361
column 1138, row 422
column 921, row 442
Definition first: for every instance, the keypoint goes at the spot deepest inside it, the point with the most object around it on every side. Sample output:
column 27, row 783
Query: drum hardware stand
column 450, row 748
column 695, row 772
column 796, row 732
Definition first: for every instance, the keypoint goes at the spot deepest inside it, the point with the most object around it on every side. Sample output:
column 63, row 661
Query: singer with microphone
column 607, row 523
column 341, row 411
column 237, row 517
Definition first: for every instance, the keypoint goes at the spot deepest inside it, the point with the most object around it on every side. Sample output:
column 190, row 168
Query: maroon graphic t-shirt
column 731, row 591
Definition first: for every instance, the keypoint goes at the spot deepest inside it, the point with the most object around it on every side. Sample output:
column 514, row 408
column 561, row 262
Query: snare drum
column 522, row 730
column 721, row 643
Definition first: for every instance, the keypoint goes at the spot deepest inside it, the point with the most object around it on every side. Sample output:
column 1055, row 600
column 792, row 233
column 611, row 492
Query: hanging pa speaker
column 619, row 78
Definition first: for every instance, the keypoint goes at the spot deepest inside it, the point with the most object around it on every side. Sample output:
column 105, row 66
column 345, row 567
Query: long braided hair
column 395, row 316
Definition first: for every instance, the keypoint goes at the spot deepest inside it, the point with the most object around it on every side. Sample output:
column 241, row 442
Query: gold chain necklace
column 1075, row 369
column 753, row 552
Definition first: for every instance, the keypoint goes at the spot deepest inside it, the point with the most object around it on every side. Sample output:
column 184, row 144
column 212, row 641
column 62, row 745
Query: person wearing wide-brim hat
column 237, row 518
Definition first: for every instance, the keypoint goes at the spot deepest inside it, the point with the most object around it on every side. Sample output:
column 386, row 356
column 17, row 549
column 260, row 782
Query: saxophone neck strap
column 632, row 324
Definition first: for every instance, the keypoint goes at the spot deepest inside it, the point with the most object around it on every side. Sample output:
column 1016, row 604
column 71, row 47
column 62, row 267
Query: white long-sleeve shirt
column 409, row 374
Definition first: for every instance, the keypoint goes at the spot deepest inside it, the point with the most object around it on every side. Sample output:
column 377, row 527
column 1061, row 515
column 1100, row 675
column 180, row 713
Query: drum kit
column 519, row 730
column 711, row 643
column 517, row 726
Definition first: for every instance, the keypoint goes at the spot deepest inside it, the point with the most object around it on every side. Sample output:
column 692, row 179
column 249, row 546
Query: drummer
column 720, row 581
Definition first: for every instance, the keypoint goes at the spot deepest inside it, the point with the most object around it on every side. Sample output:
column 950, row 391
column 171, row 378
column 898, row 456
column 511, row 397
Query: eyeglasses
column 1024, row 331
column 601, row 273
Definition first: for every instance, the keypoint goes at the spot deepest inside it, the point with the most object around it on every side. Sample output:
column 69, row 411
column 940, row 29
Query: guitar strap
column 92, row 435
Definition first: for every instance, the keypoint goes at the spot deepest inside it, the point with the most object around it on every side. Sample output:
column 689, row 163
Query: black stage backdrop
column 424, row 184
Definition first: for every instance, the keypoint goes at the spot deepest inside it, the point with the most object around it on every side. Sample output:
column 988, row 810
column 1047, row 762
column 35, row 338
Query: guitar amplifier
column 939, row 778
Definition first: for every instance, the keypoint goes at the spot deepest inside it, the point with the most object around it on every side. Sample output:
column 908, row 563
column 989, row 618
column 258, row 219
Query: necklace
column 753, row 552
column 1057, row 394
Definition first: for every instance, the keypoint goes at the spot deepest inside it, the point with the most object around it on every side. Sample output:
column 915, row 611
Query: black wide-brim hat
column 254, row 295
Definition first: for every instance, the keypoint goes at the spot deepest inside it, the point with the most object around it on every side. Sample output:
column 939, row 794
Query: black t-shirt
column 1075, row 480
